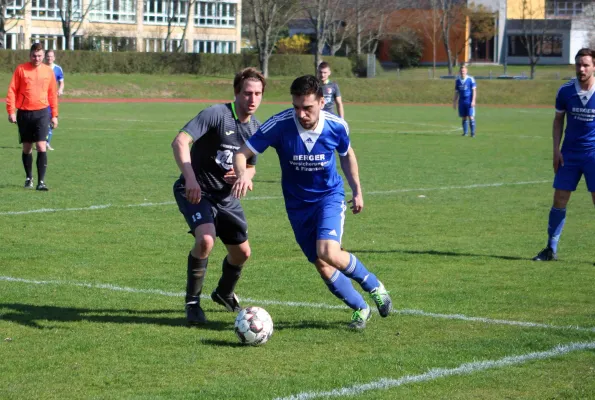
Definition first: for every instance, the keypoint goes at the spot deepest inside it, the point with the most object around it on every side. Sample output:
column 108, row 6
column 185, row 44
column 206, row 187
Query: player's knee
column 238, row 255
column 328, row 255
column 324, row 269
column 243, row 255
column 204, row 244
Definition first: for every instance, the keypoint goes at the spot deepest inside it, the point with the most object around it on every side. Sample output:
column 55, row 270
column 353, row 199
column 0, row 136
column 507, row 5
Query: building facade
column 193, row 26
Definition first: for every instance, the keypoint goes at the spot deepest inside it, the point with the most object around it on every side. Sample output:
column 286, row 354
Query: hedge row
column 180, row 63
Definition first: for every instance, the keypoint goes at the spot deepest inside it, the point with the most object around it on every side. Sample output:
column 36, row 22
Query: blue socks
column 472, row 123
column 341, row 286
column 49, row 137
column 465, row 130
column 555, row 226
column 356, row 271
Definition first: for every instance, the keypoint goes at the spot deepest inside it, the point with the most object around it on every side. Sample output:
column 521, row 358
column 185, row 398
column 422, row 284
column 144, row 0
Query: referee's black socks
column 42, row 164
column 28, row 164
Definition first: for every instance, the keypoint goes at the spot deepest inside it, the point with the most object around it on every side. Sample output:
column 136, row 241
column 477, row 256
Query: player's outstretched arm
column 557, row 132
column 474, row 97
column 340, row 109
column 181, row 148
column 351, row 171
column 243, row 173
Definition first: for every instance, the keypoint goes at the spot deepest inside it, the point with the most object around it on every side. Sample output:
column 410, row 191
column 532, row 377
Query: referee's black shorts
column 33, row 125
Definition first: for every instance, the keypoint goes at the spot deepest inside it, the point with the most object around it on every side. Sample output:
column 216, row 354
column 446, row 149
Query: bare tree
column 178, row 17
column 11, row 11
column 72, row 17
column 431, row 27
column 533, row 32
column 482, row 28
column 180, row 47
column 322, row 13
column 267, row 19
column 369, row 19
column 450, row 12
column 588, row 23
column 337, row 33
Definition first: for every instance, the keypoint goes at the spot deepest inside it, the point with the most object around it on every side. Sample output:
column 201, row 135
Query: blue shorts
column 575, row 166
column 465, row 110
column 321, row 221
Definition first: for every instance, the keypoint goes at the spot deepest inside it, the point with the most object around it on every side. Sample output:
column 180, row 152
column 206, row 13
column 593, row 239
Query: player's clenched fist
column 193, row 192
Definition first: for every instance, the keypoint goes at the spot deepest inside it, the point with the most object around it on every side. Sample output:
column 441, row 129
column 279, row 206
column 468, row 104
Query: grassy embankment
column 409, row 86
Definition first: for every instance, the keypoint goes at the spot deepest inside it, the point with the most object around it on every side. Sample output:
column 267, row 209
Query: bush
column 297, row 44
column 359, row 65
column 81, row 61
column 406, row 49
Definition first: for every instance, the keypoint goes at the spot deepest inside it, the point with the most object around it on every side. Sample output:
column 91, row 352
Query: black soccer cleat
column 194, row 314
column 546, row 254
column 41, row 186
column 231, row 303
column 29, row 183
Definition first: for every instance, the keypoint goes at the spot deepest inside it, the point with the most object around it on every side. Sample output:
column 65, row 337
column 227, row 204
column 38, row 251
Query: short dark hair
column 323, row 64
column 585, row 52
column 248, row 74
column 306, row 85
column 36, row 47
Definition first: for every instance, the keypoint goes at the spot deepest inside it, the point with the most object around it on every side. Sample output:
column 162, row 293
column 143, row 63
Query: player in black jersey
column 203, row 150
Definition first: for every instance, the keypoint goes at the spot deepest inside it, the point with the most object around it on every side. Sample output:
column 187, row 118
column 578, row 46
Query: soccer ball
column 253, row 326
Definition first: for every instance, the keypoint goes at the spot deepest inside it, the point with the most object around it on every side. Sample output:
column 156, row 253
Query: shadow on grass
column 324, row 325
column 32, row 316
column 442, row 253
column 10, row 185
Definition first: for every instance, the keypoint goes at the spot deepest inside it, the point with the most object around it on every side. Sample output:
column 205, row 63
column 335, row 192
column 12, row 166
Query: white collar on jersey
column 584, row 95
column 309, row 137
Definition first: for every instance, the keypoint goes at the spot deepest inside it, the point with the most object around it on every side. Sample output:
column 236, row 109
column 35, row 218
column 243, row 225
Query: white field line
column 324, row 306
column 436, row 373
column 167, row 203
column 172, row 131
column 446, row 131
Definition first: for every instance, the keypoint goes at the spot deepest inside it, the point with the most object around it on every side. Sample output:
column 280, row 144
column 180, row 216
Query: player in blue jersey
column 330, row 91
column 576, row 103
column 50, row 57
column 464, row 100
column 306, row 138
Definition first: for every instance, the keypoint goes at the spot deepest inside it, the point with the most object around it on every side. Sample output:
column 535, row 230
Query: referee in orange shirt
column 32, row 89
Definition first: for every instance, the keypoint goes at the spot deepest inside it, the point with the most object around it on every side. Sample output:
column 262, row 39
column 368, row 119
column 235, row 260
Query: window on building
column 110, row 43
column 50, row 9
column 56, row 42
column 558, row 8
column 214, row 46
column 163, row 12
column 10, row 41
column 123, row 11
column 160, row 45
column 14, row 8
column 552, row 46
column 215, row 13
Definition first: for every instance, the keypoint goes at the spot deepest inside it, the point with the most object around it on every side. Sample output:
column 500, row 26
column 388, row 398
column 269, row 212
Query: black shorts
column 33, row 125
column 227, row 215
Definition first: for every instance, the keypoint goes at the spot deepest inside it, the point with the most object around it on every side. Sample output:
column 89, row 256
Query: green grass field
column 92, row 272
